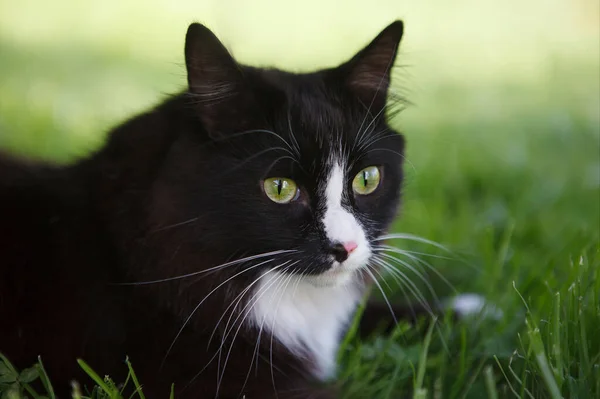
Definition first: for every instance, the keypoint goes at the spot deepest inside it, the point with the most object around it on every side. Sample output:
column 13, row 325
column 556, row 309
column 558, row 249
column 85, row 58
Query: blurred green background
column 503, row 141
column 69, row 70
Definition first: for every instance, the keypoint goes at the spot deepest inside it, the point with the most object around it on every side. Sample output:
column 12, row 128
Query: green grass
column 504, row 170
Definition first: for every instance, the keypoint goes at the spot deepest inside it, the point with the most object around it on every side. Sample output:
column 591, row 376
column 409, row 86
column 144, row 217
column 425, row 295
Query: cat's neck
column 308, row 320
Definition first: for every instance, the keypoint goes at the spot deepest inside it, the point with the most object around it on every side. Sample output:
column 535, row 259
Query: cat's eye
column 366, row 181
column 281, row 189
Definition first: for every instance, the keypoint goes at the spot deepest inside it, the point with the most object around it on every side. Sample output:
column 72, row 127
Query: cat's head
column 301, row 167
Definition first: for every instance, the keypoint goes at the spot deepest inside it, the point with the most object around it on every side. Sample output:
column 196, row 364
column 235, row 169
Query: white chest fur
column 304, row 317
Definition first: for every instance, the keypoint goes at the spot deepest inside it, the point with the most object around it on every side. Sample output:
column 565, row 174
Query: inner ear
column 216, row 84
column 368, row 72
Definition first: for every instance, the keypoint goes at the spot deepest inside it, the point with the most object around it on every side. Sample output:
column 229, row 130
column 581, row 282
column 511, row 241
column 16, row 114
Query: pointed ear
column 368, row 73
column 216, row 83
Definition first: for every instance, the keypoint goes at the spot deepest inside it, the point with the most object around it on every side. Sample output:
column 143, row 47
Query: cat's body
column 162, row 246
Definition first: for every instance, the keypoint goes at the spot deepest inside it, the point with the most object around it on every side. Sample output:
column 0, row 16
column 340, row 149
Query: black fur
column 177, row 191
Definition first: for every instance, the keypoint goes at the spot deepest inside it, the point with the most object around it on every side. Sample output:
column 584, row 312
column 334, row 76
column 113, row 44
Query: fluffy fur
column 164, row 247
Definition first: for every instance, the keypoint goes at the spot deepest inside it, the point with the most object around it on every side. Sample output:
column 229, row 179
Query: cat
column 221, row 240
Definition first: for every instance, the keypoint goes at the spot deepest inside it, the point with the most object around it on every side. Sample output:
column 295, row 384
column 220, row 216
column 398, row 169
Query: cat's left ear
column 368, row 72
column 216, row 84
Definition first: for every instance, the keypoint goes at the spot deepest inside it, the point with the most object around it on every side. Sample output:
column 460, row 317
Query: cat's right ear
column 216, row 83
column 368, row 73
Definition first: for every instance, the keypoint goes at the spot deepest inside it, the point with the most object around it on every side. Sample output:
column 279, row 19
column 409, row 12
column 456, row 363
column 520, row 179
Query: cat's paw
column 473, row 305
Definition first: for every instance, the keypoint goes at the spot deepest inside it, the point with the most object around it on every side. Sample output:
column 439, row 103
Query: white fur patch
column 309, row 313
column 307, row 319
column 341, row 226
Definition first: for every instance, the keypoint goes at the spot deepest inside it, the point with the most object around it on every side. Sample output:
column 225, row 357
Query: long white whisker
column 415, row 271
column 234, row 303
column 204, row 299
column 411, row 237
column 414, row 290
column 375, row 138
column 250, row 303
column 417, row 253
column 382, row 278
column 254, row 156
column 235, row 135
column 255, row 297
column 364, row 135
column 389, row 305
column 283, row 284
column 221, row 266
column 407, row 283
column 293, row 137
column 421, row 261
column 226, row 329
column 401, row 284
column 192, row 220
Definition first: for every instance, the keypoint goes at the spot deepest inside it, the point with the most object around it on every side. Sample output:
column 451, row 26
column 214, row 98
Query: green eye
column 366, row 181
column 280, row 189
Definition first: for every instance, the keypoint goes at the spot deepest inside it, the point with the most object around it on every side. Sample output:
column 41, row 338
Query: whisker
column 192, row 220
column 421, row 261
column 407, row 282
column 283, row 284
column 393, row 152
column 389, row 305
column 236, row 135
column 401, row 285
column 221, row 266
column 423, row 278
column 218, row 352
column 363, row 134
column 411, row 237
column 370, row 136
column 420, row 253
column 254, row 156
column 241, row 323
column 416, row 292
column 234, row 303
column 292, row 136
column 204, row 299
column 383, row 77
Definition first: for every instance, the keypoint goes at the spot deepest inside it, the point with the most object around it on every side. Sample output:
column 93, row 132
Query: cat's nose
column 350, row 246
column 340, row 251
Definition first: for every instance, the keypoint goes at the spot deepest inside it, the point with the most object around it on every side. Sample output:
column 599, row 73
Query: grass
column 504, row 171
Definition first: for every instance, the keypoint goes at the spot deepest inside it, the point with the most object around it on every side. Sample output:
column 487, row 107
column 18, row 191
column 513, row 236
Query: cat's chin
column 331, row 278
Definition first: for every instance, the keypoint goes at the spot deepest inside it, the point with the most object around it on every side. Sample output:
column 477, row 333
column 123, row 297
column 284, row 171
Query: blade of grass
column 490, row 383
column 94, row 376
column 542, row 360
column 45, row 380
column 423, row 362
column 506, row 378
column 556, row 348
column 136, row 383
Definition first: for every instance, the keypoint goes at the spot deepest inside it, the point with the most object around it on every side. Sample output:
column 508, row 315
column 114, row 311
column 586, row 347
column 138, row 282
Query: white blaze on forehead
column 340, row 224
column 334, row 188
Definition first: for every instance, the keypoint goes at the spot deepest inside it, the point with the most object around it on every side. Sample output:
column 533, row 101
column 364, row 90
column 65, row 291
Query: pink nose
column 350, row 246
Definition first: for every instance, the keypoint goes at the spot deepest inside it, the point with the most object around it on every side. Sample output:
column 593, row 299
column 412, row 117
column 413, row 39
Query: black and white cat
column 221, row 240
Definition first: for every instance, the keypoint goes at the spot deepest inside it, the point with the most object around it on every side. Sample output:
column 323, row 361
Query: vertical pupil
column 279, row 186
column 365, row 181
